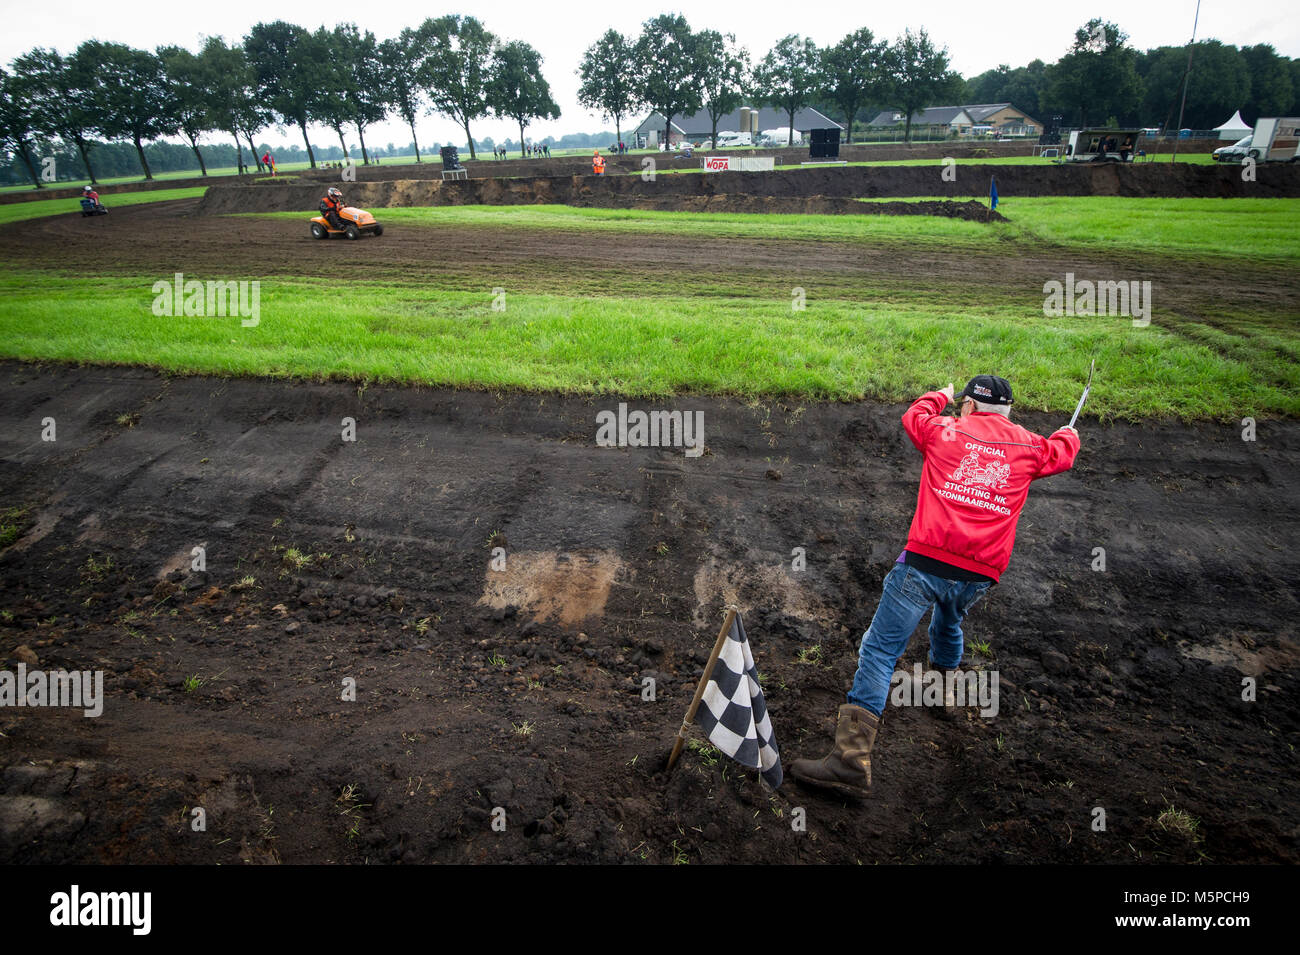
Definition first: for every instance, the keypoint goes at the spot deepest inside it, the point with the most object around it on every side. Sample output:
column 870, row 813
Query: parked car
column 1234, row 153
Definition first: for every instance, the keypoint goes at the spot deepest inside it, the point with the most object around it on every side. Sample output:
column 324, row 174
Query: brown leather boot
column 847, row 768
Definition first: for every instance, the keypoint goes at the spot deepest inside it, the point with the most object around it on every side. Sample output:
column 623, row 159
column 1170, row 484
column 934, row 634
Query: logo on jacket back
column 971, row 471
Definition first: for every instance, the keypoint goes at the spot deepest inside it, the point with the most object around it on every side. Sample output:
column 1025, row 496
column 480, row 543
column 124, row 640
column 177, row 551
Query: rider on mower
column 90, row 194
column 330, row 206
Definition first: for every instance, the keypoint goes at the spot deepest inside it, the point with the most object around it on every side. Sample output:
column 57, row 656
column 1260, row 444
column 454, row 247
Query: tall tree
column 1271, row 93
column 128, row 95
column 670, row 81
column 402, row 59
column 366, row 92
column 789, row 76
column 233, row 101
column 854, row 73
column 329, row 103
column 17, row 124
column 609, row 79
column 917, row 72
column 725, row 75
column 517, row 89
column 186, row 95
column 57, row 90
column 457, row 70
column 1097, row 79
column 289, row 69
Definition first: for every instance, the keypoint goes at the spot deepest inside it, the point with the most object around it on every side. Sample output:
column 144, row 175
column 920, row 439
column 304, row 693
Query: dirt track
column 1119, row 689
column 160, row 238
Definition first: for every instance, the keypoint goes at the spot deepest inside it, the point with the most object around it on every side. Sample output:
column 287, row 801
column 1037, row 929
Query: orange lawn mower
column 353, row 223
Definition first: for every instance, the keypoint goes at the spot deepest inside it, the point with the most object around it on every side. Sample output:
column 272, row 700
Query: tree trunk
column 239, row 156
column 668, row 125
column 85, row 158
column 790, row 142
column 311, row 156
column 471, row 141
column 618, row 132
column 31, row 169
column 194, row 145
column 415, row 141
column 253, row 149
column 714, row 140
column 521, row 138
column 361, row 134
column 144, row 163
column 339, row 129
column 907, row 130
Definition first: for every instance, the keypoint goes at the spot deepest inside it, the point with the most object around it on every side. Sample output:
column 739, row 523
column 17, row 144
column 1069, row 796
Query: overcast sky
column 979, row 36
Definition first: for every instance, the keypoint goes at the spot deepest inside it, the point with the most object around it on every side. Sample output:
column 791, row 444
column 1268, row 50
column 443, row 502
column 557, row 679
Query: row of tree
column 280, row 74
column 345, row 79
column 675, row 71
column 1103, row 77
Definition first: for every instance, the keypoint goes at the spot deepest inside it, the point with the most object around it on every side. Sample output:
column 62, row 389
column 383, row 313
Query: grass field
column 39, row 208
column 614, row 331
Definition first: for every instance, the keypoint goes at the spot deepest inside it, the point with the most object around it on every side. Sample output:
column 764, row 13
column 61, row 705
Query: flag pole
column 699, row 689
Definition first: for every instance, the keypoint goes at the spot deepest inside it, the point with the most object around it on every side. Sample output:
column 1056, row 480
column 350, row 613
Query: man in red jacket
column 974, row 482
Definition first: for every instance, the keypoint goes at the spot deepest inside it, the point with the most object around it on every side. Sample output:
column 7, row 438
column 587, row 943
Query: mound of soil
column 520, row 687
column 849, row 182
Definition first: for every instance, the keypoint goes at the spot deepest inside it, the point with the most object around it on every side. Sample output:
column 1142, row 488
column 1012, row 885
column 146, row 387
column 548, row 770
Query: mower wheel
column 379, row 230
column 318, row 231
column 352, row 231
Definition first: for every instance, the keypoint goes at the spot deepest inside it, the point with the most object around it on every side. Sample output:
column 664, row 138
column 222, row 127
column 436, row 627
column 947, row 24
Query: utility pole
column 1187, row 78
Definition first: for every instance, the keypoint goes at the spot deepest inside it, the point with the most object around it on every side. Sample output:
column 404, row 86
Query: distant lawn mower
column 89, row 207
column 356, row 223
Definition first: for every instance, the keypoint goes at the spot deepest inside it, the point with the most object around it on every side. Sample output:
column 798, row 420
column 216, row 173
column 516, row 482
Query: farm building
column 1001, row 118
column 698, row 126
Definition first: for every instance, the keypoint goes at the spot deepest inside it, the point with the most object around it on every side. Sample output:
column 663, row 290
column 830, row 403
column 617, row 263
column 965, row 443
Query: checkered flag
column 732, row 712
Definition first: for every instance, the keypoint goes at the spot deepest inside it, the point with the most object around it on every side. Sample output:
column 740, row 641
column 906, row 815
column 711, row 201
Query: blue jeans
column 908, row 594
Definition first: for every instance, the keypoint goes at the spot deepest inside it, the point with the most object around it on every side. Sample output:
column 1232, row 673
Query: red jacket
column 975, row 481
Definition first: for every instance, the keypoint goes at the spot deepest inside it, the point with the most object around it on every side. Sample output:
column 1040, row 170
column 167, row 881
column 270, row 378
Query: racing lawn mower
column 356, row 223
column 89, row 207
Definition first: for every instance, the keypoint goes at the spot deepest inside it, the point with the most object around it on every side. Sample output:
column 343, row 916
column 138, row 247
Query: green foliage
column 789, row 75
column 609, row 79
column 456, row 73
column 517, row 89
column 726, row 74
column 671, row 70
column 854, row 72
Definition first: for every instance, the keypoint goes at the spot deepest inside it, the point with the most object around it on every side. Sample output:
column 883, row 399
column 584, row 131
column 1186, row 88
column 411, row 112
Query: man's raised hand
column 947, row 391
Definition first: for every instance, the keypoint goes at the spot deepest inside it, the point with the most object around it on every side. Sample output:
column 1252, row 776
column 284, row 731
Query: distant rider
column 330, row 206
column 91, row 194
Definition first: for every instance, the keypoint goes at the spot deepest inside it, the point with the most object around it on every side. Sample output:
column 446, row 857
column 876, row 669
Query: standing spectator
column 269, row 161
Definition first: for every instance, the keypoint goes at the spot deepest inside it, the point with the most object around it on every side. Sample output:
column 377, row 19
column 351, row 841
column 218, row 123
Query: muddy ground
column 371, row 560
column 732, row 191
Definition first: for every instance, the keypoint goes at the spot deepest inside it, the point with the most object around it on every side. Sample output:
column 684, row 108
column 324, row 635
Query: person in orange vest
column 598, row 164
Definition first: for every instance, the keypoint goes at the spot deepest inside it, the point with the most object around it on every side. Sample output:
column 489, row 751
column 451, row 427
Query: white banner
column 756, row 163
column 717, row 163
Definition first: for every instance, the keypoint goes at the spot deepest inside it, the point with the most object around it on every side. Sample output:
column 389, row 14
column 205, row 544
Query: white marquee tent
column 1234, row 128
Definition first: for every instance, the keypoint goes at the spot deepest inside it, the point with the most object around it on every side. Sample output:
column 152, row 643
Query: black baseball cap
column 989, row 389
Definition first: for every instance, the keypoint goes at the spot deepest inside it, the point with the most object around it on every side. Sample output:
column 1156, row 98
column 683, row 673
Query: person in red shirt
column 974, row 482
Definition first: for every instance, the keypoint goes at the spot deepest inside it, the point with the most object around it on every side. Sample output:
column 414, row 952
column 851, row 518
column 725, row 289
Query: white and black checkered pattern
column 733, row 713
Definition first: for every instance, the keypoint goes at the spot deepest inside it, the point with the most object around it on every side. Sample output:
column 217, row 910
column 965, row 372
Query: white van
column 780, row 137
column 730, row 138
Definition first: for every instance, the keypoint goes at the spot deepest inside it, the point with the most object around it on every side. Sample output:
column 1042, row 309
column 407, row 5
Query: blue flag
column 993, row 193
